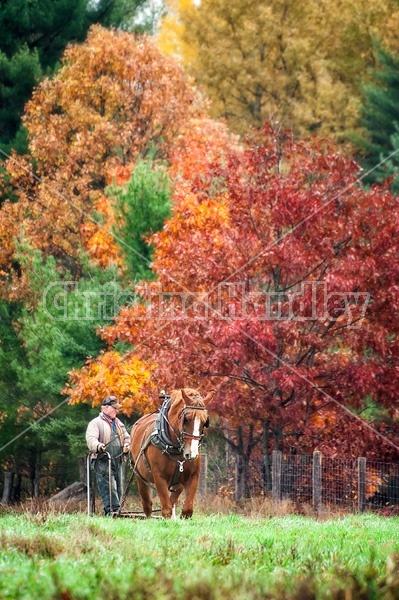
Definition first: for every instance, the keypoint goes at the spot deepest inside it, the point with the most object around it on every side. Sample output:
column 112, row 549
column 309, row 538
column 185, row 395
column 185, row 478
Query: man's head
column 110, row 406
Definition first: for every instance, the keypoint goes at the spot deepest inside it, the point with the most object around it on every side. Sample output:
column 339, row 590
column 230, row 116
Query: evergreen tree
column 141, row 208
column 41, row 341
column 54, row 332
column 381, row 122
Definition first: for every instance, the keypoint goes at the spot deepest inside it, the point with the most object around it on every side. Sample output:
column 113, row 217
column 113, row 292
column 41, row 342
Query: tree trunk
column 239, row 491
column 38, row 468
column 35, row 473
column 16, row 491
column 76, row 492
column 228, row 448
column 242, row 463
column 7, row 491
column 278, row 440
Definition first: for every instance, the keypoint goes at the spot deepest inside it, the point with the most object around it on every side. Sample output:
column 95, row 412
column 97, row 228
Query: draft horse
column 165, row 448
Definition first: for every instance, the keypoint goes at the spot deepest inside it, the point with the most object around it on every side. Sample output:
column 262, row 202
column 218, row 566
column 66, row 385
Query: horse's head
column 193, row 417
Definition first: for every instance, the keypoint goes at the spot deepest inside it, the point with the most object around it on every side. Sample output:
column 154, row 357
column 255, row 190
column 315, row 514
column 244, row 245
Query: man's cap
column 111, row 401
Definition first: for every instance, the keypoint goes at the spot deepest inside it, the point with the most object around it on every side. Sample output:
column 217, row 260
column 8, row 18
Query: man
column 109, row 443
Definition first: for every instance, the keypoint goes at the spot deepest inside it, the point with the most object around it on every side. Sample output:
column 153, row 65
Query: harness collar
column 160, row 433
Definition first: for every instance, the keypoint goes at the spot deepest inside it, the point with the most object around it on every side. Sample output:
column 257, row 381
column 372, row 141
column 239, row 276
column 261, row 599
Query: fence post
column 361, row 484
column 316, row 480
column 276, row 475
column 239, row 483
column 202, row 483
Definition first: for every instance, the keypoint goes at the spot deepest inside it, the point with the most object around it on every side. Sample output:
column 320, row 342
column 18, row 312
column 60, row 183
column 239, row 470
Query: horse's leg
column 174, row 496
column 145, row 493
column 191, row 490
column 163, row 495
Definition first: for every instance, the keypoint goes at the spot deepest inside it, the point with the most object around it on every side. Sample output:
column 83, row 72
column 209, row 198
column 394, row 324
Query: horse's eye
column 184, row 420
column 206, row 424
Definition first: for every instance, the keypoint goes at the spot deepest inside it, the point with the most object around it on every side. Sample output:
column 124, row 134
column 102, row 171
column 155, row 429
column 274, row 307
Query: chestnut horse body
column 165, row 451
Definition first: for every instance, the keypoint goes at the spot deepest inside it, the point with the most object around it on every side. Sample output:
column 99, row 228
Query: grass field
column 68, row 557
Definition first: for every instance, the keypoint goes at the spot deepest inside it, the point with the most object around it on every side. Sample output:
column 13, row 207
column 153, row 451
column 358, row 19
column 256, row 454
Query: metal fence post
column 109, row 480
column 316, row 480
column 88, row 483
column 361, row 484
column 276, row 475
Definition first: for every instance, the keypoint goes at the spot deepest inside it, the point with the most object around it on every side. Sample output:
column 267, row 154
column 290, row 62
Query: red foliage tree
column 278, row 285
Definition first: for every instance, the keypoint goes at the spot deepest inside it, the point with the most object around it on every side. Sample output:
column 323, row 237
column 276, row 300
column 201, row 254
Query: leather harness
column 160, row 438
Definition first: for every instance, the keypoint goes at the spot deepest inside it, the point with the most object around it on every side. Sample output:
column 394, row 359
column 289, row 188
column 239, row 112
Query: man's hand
column 101, row 448
column 126, row 448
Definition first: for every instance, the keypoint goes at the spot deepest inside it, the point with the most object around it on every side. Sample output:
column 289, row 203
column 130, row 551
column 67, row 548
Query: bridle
column 183, row 435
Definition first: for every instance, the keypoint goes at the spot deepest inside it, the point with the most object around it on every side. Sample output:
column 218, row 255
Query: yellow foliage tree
column 300, row 61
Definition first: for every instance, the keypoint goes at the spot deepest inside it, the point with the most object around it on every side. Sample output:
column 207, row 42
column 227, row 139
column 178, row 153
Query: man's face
column 111, row 411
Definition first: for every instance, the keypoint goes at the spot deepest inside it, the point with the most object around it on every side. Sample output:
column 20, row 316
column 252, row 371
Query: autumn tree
column 114, row 98
column 300, row 62
column 205, row 142
column 33, row 36
column 205, row 145
column 277, row 285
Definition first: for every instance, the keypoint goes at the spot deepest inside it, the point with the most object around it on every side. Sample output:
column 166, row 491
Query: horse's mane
column 195, row 401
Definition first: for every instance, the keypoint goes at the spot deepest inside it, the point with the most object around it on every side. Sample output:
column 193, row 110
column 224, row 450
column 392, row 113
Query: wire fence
column 352, row 484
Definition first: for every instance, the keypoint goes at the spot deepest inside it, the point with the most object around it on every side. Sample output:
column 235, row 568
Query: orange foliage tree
column 123, row 375
column 114, row 98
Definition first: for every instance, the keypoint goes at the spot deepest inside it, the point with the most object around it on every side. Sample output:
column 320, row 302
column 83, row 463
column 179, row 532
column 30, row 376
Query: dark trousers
column 110, row 499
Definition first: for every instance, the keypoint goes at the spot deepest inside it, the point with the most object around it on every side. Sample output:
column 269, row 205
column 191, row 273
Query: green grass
column 208, row 557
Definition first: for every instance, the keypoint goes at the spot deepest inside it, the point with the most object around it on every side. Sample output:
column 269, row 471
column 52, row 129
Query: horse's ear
column 186, row 398
column 209, row 397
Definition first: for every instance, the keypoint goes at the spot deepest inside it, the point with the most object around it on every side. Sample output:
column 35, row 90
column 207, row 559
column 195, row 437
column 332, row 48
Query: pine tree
column 40, row 342
column 141, row 208
column 381, row 122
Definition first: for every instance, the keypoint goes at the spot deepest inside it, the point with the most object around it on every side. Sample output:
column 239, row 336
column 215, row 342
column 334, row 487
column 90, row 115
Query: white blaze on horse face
column 191, row 447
